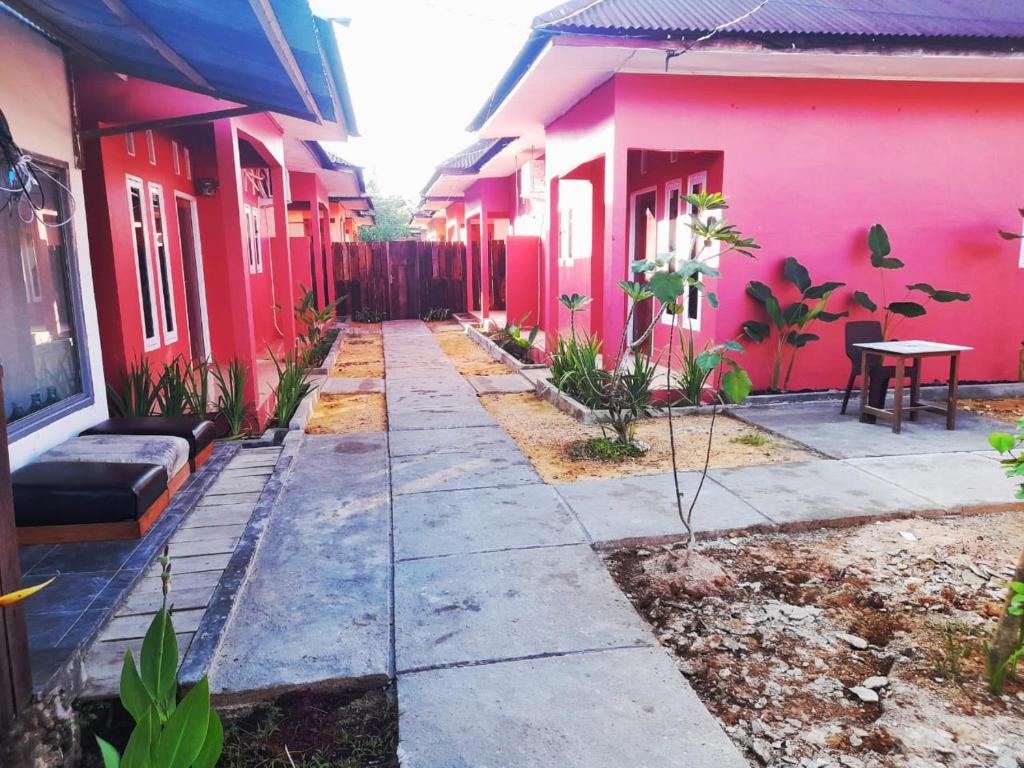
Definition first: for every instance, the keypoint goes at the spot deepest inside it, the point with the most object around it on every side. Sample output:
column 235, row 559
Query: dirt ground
column 344, row 414
column 444, row 326
column 1009, row 409
column 361, row 355
column 468, row 358
column 861, row 648
column 546, row 434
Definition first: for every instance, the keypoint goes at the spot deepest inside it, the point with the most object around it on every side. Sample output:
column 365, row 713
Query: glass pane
column 141, row 258
column 166, row 295
column 39, row 348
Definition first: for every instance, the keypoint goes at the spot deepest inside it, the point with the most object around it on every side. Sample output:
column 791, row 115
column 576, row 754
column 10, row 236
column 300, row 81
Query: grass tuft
column 753, row 439
column 605, row 449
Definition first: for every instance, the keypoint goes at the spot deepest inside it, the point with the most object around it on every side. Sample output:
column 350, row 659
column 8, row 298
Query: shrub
column 605, row 449
column 368, row 315
column 436, row 314
column 137, row 393
column 231, row 403
column 292, row 386
column 172, row 388
column 510, row 337
column 576, row 369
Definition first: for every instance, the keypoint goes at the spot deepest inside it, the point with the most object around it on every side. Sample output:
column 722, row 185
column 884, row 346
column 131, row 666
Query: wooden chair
column 868, row 332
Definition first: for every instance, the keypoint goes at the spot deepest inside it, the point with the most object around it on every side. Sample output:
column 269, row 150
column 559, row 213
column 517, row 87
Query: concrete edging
column 545, row 390
column 499, row 354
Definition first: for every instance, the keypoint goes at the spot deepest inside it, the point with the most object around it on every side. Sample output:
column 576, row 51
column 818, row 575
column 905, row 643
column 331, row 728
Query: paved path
column 513, row 646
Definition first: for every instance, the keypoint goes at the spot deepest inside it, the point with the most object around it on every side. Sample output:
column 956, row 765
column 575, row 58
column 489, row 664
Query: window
column 695, row 184
column 41, row 348
column 140, row 234
column 257, row 244
column 188, row 165
column 174, row 158
column 156, row 202
column 129, row 141
column 673, row 197
column 250, row 247
column 151, row 147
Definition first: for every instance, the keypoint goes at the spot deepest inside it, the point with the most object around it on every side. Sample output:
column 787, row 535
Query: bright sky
column 418, row 71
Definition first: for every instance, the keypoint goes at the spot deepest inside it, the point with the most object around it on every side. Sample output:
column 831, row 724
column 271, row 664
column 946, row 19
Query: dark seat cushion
column 81, row 492
column 199, row 432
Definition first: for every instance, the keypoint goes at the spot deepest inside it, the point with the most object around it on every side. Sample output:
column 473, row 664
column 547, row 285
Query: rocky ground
column 1010, row 409
column 861, row 648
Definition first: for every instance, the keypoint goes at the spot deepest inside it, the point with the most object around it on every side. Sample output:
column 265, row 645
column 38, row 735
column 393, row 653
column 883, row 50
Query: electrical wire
column 20, row 180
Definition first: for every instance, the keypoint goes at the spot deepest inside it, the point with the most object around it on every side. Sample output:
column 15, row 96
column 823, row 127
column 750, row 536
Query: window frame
column 257, row 244
column 175, row 158
column 163, row 266
column 51, row 414
column 151, row 147
column 129, row 143
column 693, row 323
column 148, row 343
column 249, row 249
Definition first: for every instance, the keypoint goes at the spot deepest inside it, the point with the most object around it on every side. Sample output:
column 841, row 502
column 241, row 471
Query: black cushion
column 199, row 432
column 80, row 492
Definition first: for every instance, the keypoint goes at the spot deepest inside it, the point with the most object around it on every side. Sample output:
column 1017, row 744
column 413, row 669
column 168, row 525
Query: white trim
column 664, row 224
column 632, row 245
column 129, row 143
column 188, row 164
column 701, row 178
column 175, row 159
column 149, row 343
column 151, row 147
column 257, row 232
column 197, row 246
column 164, row 270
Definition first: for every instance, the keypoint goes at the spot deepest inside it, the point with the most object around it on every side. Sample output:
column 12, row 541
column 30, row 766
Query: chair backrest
column 861, row 332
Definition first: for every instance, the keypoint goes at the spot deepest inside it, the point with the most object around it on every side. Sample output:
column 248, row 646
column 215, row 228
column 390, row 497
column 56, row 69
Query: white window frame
column 249, row 248
column 256, row 233
column 149, row 343
column 170, row 336
column 175, row 159
column 701, row 178
column 632, row 241
column 188, row 164
column 197, row 244
column 129, row 143
column 151, row 147
column 664, row 224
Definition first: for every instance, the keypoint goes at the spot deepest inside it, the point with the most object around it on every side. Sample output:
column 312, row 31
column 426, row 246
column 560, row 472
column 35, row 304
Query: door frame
column 197, row 247
column 633, row 196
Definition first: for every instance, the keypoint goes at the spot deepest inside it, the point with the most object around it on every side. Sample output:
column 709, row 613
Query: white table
column 915, row 351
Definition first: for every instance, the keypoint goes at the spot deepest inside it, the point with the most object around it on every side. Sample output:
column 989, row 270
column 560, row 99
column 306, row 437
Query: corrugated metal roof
column 963, row 19
column 472, row 158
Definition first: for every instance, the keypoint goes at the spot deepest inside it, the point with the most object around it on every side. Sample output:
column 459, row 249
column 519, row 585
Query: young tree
column 392, row 216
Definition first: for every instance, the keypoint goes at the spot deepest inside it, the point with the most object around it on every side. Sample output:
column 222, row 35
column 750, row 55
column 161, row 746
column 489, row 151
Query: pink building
column 815, row 122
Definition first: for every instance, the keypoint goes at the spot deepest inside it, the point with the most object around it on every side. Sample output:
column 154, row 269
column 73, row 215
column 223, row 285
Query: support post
column 485, row 267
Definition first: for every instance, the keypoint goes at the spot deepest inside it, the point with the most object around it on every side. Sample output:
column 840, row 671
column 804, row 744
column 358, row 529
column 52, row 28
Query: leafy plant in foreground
column 314, row 321
column 511, row 338
column 695, row 368
column 790, row 325
column 576, row 368
column 168, row 733
column 883, row 261
column 292, row 385
column 137, row 393
column 231, row 402
column 1006, row 650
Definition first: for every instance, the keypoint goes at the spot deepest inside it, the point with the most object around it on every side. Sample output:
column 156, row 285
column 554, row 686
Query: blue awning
column 270, row 54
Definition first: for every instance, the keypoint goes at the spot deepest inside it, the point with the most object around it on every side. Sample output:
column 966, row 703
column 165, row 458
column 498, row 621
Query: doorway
column 192, row 266
column 643, row 245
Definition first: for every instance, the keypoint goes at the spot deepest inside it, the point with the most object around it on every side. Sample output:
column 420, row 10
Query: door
column 644, row 246
column 195, row 289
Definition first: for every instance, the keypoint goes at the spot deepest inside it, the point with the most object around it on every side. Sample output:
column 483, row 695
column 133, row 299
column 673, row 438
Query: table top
column 912, row 347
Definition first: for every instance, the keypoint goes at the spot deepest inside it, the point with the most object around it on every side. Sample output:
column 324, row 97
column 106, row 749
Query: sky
column 418, row 71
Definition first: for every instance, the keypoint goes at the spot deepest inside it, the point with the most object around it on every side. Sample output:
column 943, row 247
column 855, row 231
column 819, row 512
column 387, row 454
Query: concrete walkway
column 513, row 646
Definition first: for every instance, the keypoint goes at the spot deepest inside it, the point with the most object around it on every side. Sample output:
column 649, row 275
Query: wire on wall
column 20, row 189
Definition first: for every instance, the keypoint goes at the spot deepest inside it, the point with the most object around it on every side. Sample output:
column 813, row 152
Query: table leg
column 915, row 387
column 864, row 376
column 954, row 387
column 897, row 400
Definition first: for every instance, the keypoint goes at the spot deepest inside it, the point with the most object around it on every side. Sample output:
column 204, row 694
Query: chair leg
column 849, row 389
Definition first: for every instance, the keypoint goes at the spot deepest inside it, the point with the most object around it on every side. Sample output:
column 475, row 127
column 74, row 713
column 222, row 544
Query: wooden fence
column 497, row 259
column 403, row 278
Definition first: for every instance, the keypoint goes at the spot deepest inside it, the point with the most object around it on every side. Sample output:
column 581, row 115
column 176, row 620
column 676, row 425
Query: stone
column 866, row 695
column 853, row 640
column 875, row 682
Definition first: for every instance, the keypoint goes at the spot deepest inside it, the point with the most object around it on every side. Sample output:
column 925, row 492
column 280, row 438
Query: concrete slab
column 150, row 601
column 131, row 627
column 950, row 480
column 233, row 485
column 453, row 472
column 224, row 514
column 508, row 384
column 634, row 507
column 342, row 385
column 228, row 499
column 485, row 607
column 458, row 522
column 426, row 417
column 450, row 440
column 317, row 603
column 102, row 666
column 612, row 709
column 821, row 427
column 534, row 375
column 817, row 490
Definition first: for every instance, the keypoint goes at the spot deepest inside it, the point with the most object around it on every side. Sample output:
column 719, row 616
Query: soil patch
column 1009, row 409
column 361, row 355
column 344, row 414
column 860, row 648
column 551, row 439
column 468, row 358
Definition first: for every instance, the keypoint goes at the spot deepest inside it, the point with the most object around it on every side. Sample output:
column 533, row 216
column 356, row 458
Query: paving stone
column 204, row 546
column 219, row 500
column 618, row 708
column 817, row 490
column 195, row 564
column 255, row 457
column 498, row 605
column 131, row 627
column 631, row 507
column 345, row 385
column 415, row 442
column 439, row 418
column 264, row 472
column 184, row 535
column 449, row 522
column 152, row 585
column 102, row 665
column 508, row 384
column 233, row 485
column 150, row 600
column 950, row 480
column 452, row 472
column 225, row 514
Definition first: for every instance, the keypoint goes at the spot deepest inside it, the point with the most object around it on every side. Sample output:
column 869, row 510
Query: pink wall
column 809, row 165
column 523, row 270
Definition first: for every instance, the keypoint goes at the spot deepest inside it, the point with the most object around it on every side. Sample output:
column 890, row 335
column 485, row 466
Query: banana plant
column 882, row 260
column 791, row 324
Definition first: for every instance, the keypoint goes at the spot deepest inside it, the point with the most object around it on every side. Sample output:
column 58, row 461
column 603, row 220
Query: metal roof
column 964, row 19
column 470, row 160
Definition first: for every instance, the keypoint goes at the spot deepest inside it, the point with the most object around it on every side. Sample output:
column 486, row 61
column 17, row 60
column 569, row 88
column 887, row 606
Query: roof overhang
column 450, row 185
column 340, row 179
column 542, row 86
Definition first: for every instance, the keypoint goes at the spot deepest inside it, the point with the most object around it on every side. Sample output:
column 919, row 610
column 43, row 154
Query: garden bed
column 1010, row 409
column 499, row 354
column 547, row 436
column 361, row 356
column 345, row 414
column 860, row 648
column 469, row 359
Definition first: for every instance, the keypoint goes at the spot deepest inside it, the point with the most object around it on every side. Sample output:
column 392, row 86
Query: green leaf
column 756, row 331
column 775, row 312
column 796, row 273
column 635, row 291
column 799, row 340
column 906, row 308
column 134, row 695
column 667, row 287
column 878, row 242
column 139, row 751
column 708, row 360
column 213, row 745
column 760, row 291
column 922, row 287
column 110, row 757
column 733, row 346
column 821, row 291
column 831, row 317
column 945, row 297
column 886, row 263
column 713, row 299
column 736, row 385
column 159, row 659
column 1002, row 442
column 794, row 313
column 185, row 733
column 865, row 301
